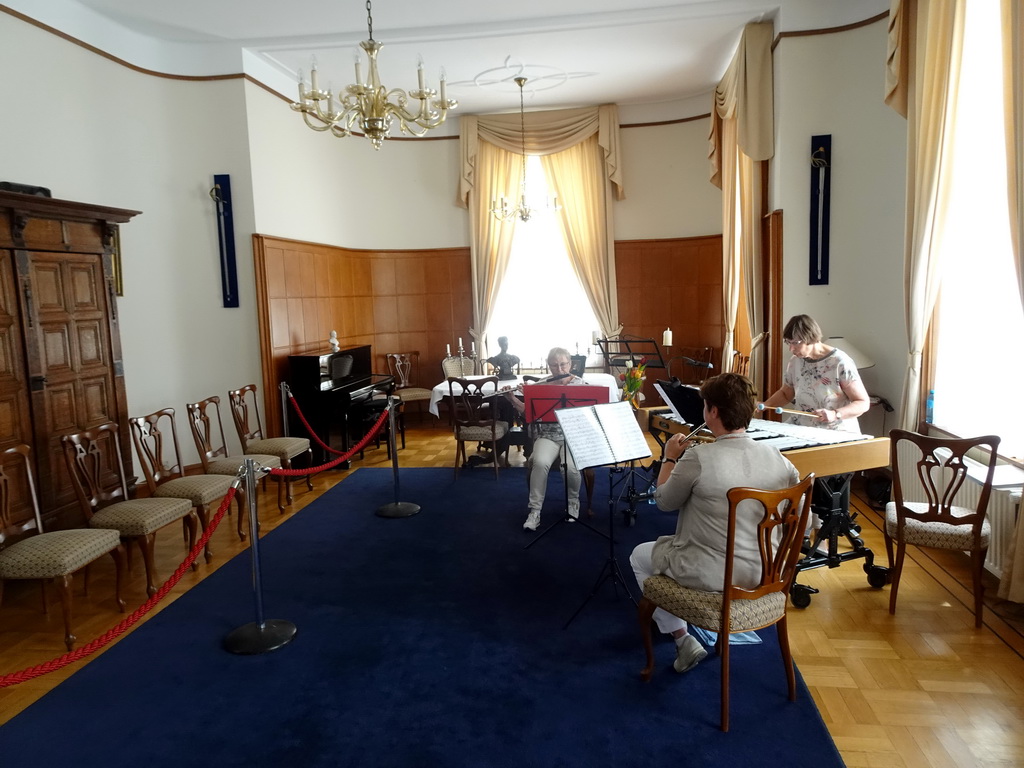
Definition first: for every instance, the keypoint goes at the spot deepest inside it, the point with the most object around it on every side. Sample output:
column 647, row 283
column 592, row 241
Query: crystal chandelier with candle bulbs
column 370, row 107
column 506, row 209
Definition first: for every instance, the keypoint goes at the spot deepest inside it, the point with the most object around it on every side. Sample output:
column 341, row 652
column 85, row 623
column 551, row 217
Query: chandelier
column 370, row 107
column 505, row 209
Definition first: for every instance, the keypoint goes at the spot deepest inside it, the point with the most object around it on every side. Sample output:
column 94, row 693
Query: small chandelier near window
column 369, row 106
column 506, row 209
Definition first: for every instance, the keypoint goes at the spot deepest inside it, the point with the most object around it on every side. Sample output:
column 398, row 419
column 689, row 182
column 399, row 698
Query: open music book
column 602, row 434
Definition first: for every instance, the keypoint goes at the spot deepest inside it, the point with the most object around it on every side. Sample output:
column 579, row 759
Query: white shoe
column 689, row 654
column 532, row 520
column 574, row 513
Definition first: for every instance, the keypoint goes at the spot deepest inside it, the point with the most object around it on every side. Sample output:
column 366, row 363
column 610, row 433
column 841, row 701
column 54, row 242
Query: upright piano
column 331, row 389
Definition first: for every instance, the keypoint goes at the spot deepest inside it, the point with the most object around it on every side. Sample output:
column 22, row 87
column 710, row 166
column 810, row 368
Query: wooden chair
column 740, row 363
column 938, row 466
column 246, row 414
column 683, row 370
column 156, row 442
column 780, row 525
column 93, row 458
column 39, row 555
column 474, row 420
column 405, row 367
column 208, row 434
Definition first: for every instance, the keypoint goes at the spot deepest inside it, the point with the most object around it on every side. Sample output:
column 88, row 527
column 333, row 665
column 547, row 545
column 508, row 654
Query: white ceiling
column 573, row 52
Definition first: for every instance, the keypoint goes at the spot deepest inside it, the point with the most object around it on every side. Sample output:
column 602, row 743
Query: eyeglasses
column 561, row 366
column 793, row 342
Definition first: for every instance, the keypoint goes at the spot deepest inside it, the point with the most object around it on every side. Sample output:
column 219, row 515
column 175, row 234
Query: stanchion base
column 398, row 509
column 252, row 638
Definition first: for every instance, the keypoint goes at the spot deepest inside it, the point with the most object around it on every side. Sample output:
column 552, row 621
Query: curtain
column 584, row 189
column 742, row 133
column 923, row 66
column 485, row 176
column 1013, row 104
column 491, row 241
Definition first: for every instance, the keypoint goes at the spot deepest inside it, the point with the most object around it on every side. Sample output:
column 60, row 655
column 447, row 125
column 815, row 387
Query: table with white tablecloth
column 441, row 392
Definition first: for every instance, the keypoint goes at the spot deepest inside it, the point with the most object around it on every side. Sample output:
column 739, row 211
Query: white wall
column 833, row 84
column 313, row 186
column 94, row 131
column 668, row 194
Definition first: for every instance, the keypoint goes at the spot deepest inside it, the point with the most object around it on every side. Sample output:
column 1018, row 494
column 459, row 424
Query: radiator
column 1003, row 506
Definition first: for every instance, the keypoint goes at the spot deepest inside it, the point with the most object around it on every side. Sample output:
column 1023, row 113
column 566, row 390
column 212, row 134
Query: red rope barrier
column 110, row 635
column 342, row 457
column 89, row 648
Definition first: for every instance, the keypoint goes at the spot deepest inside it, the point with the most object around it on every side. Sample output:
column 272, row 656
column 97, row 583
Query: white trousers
column 642, row 567
column 547, row 454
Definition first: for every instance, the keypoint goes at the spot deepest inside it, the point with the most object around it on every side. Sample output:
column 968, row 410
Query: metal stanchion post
column 261, row 635
column 396, row 508
column 285, row 391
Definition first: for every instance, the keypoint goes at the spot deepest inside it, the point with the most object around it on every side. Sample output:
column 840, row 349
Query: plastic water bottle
column 929, row 408
column 650, row 490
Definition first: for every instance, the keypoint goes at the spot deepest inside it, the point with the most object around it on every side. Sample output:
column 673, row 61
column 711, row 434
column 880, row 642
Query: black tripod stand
column 610, row 569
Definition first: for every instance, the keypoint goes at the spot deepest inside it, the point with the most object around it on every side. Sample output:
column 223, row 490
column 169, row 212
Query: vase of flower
column 632, row 382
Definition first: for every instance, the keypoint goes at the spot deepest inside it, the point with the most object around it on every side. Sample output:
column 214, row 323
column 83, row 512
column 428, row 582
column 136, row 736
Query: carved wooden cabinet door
column 59, row 339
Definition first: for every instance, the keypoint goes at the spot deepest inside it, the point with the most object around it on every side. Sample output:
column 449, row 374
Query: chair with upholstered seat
column 937, row 468
column 246, row 414
column 208, row 433
column 155, row 436
column 458, row 367
column 474, row 420
column 780, row 519
column 405, row 367
column 27, row 552
column 93, row 458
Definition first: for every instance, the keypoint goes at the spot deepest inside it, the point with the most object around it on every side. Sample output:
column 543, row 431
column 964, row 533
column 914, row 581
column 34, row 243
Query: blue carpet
column 434, row 640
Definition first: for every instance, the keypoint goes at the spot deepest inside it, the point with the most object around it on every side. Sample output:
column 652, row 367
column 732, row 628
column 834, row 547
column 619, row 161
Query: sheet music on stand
column 599, row 435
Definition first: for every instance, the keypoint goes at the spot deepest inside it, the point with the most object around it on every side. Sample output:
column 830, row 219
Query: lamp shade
column 860, row 359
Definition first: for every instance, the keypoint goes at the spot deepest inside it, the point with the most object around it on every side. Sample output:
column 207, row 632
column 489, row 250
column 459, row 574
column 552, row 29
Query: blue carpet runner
column 434, row 640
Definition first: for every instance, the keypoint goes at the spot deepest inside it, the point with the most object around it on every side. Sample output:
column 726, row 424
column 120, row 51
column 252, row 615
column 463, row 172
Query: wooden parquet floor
column 922, row 689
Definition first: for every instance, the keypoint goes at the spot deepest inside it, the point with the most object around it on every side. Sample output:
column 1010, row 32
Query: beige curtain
column 586, row 218
column 923, row 67
column 1013, row 104
column 584, row 190
column 742, row 134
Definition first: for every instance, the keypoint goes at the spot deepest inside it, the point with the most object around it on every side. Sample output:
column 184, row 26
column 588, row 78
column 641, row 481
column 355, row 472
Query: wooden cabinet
column 60, row 348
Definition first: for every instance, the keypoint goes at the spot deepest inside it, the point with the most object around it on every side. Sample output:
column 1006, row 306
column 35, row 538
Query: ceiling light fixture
column 506, row 209
column 371, row 107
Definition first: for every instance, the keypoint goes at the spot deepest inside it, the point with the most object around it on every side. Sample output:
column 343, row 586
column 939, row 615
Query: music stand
column 604, row 435
column 622, row 352
column 542, row 403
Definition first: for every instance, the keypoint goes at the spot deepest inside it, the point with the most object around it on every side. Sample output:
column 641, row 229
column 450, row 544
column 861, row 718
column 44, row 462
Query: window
column 979, row 357
column 541, row 303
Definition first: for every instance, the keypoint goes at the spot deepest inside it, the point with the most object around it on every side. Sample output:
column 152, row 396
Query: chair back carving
column 781, row 520
column 246, row 414
column 740, row 364
column 941, row 470
column 156, row 442
column 458, row 366
column 209, row 443
column 471, row 406
column 404, row 366
column 93, row 458
column 17, row 489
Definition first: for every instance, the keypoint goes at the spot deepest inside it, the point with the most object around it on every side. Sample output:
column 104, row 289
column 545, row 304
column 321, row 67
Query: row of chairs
column 115, row 520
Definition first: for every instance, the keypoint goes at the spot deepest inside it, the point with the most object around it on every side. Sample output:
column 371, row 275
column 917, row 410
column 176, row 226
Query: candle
column 419, row 74
column 448, row 349
column 472, row 347
column 593, row 337
column 460, row 342
column 359, row 70
column 313, row 76
column 444, row 77
column 666, row 338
